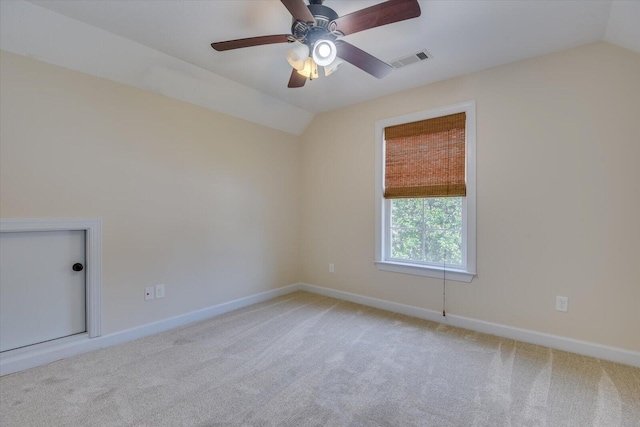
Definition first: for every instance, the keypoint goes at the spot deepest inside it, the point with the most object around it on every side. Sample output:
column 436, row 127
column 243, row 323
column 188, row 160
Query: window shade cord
column 444, row 268
column 444, row 291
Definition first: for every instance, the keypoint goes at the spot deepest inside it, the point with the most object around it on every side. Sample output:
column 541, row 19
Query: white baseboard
column 30, row 357
column 40, row 354
column 585, row 348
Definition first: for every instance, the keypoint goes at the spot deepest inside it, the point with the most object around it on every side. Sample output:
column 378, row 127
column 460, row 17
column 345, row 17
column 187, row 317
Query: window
column 425, row 193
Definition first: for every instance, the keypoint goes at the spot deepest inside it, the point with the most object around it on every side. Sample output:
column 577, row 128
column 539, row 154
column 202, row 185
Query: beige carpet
column 309, row 360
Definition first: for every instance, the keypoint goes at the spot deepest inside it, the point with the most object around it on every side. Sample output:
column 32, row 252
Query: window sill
column 426, row 270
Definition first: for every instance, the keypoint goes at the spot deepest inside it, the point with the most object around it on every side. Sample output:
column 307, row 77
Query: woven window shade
column 426, row 158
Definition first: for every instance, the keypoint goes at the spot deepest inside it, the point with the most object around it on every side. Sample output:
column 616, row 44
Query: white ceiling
column 463, row 37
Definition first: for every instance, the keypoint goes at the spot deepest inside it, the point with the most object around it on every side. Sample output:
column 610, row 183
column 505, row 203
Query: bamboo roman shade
column 426, row 158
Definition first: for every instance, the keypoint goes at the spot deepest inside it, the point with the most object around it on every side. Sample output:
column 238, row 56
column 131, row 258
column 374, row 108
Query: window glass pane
column 407, row 212
column 443, row 213
column 427, row 230
column 443, row 247
column 406, row 243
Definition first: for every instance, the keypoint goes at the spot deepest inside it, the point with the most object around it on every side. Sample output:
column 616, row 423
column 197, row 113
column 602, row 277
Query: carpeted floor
column 309, row 360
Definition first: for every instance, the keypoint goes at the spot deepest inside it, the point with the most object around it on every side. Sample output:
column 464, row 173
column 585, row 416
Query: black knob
column 77, row 267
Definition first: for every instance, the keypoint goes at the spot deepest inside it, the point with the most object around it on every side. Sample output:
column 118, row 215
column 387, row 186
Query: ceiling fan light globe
column 324, row 52
column 298, row 55
column 310, row 69
column 331, row 68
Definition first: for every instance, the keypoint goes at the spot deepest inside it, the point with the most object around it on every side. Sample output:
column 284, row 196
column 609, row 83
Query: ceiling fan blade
column 296, row 79
column 380, row 14
column 298, row 9
column 362, row 60
column 251, row 41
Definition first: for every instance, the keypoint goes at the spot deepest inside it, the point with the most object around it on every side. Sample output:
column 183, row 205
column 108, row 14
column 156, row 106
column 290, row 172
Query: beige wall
column 558, row 147
column 202, row 202
column 210, row 205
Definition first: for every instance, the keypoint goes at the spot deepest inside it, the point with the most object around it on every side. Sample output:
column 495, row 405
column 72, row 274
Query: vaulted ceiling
column 461, row 36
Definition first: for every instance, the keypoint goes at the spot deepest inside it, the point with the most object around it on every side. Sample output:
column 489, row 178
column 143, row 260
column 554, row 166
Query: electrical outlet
column 562, row 304
column 148, row 293
column 159, row 291
column 331, row 269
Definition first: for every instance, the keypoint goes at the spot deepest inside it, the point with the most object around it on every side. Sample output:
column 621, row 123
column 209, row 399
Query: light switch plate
column 159, row 291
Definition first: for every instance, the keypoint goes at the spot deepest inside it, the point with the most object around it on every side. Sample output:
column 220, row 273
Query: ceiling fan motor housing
column 324, row 27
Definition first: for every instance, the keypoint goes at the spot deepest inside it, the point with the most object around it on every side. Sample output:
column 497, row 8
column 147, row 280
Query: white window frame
column 383, row 206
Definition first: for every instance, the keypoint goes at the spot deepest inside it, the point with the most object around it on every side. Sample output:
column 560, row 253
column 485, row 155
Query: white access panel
column 41, row 297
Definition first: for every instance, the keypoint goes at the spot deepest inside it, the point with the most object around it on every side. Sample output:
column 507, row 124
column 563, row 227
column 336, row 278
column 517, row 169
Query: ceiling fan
column 317, row 31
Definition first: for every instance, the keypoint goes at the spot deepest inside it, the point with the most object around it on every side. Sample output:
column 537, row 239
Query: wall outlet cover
column 562, row 303
column 148, row 293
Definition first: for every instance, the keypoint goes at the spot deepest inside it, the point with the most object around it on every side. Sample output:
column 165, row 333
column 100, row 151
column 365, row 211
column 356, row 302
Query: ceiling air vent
column 411, row 59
